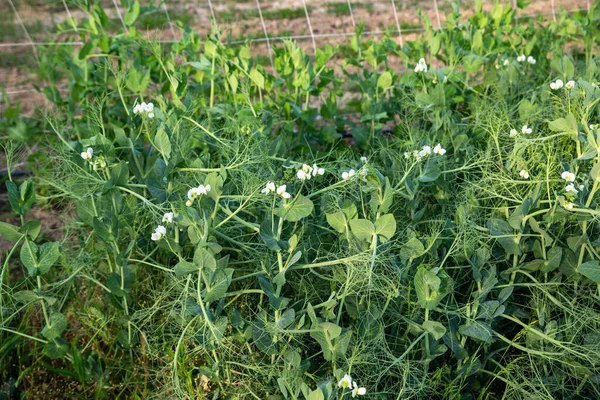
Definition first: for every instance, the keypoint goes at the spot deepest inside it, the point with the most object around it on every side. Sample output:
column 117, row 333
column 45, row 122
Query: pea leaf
column 436, row 329
column 56, row 326
column 590, row 270
column 162, row 142
column 10, row 232
column 384, row 81
column 204, row 259
column 184, row 268
column 478, row 330
column 294, row 211
column 566, row 125
column 363, row 229
column 385, row 227
column 56, row 348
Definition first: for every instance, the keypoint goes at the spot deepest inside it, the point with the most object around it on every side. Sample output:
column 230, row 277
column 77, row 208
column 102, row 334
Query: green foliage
column 255, row 234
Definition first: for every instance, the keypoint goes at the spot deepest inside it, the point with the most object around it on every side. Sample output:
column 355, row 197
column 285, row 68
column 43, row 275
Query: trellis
column 394, row 6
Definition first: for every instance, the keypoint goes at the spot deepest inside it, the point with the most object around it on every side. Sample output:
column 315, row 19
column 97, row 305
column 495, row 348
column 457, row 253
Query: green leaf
column 10, row 232
column 505, row 236
column 430, row 287
column 553, row 259
column 316, row 394
column 412, row 249
column 384, row 81
column 564, row 125
column 436, row 329
column 267, row 235
column 337, row 221
column 31, row 229
column 430, row 173
column 22, row 198
column 219, row 285
column 26, row 296
column 56, row 326
column 590, row 270
column 478, row 330
column 162, row 143
column 204, row 259
column 295, row 210
column 29, row 257
column 257, row 78
column 56, row 348
column 49, row 253
column 132, row 14
column 363, row 229
column 332, row 330
column 595, row 172
column 385, row 227
column 184, row 268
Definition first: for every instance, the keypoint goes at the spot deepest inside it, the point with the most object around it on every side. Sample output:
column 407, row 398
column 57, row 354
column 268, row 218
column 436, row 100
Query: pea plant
column 234, row 231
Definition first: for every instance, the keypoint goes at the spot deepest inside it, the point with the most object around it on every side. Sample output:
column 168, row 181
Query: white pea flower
column 531, row 60
column 281, row 192
column 526, row 130
column 439, row 150
column 524, row 174
column 570, row 84
column 345, row 382
column 568, row 176
column 421, row 66
column 571, row 188
column 88, row 154
column 302, row 175
column 193, row 193
column 321, row 171
column 159, row 233
column 556, row 85
column 189, row 203
column 348, row 174
column 360, row 391
column 270, row 187
column 168, row 218
column 506, row 63
column 569, row 206
column 417, row 155
column 204, row 189
column 513, row 133
column 147, row 108
column 406, row 154
column 581, row 187
column 363, row 159
column 521, row 58
column 425, row 151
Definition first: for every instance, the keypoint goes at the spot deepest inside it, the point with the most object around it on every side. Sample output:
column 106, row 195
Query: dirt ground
column 331, row 22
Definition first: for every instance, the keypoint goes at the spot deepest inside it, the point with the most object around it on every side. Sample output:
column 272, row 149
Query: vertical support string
column 264, row 26
column 312, row 35
column 553, row 11
column 351, row 14
column 70, row 16
column 437, row 14
column 397, row 23
column 212, row 12
column 120, row 16
column 12, row 5
column 164, row 7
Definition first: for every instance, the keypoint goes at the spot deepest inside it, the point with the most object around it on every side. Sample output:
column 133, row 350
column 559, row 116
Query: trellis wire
column 264, row 26
column 12, row 5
